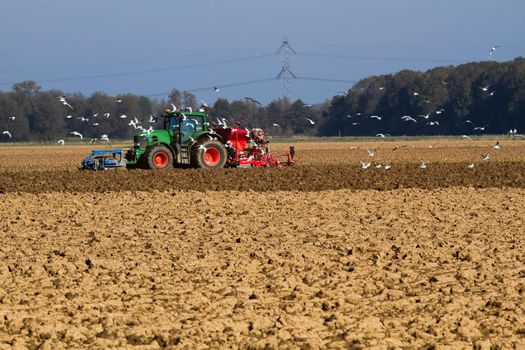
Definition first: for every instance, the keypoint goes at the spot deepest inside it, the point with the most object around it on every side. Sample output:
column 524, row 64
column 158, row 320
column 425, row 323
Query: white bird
column 492, row 93
column 95, row 115
column 306, row 105
column 466, row 137
column 118, row 100
column 381, row 135
column 378, row 166
column 173, row 108
column 497, row 145
column 83, row 119
column 76, row 133
column 204, row 104
column 349, row 116
column 93, row 140
column 64, row 102
column 277, row 125
column 95, row 124
column 433, row 123
column 481, row 128
column 424, row 116
column 151, row 119
column 123, row 116
column 381, row 88
column 252, row 100
column 355, row 123
column 387, row 166
column 492, row 50
column 136, row 120
column 6, row 132
column 202, row 147
column 485, row 88
column 310, row 120
column 132, row 123
column 375, row 117
column 210, row 137
column 149, row 130
column 415, row 93
column 104, row 137
column 485, row 156
column 107, row 115
column 12, row 118
column 408, row 118
column 69, row 116
column 365, row 165
column 471, row 166
column 61, row 142
column 422, row 164
column 216, row 89
column 371, row 152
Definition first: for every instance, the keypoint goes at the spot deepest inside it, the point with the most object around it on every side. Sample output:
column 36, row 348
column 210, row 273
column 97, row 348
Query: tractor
column 188, row 139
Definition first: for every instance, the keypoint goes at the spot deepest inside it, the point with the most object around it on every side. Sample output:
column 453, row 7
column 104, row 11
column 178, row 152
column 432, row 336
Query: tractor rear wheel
column 209, row 155
column 159, row 157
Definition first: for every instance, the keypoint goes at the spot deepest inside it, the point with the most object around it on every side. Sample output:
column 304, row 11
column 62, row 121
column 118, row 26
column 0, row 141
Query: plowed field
column 324, row 254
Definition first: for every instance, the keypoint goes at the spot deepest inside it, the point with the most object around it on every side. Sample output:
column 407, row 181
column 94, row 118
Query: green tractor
column 185, row 139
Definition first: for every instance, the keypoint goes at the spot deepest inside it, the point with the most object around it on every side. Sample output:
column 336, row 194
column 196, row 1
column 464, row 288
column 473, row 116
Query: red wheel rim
column 211, row 156
column 160, row 159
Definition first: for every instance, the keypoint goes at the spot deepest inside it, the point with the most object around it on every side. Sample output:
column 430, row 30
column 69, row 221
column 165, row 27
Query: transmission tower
column 285, row 75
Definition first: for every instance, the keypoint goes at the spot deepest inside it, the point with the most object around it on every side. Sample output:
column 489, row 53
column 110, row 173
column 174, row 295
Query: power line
column 147, row 71
column 377, row 58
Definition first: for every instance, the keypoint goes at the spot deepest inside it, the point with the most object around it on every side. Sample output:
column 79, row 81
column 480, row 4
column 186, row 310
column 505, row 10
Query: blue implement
column 105, row 159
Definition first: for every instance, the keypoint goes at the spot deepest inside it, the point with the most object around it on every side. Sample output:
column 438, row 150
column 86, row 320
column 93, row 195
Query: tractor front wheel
column 209, row 155
column 159, row 157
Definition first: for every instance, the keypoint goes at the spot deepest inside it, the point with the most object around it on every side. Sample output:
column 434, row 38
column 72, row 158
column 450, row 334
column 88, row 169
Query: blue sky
column 149, row 47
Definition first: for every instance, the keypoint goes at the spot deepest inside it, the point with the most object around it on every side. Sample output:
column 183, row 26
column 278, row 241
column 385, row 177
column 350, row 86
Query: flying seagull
column 104, row 137
column 118, row 100
column 76, row 133
column 485, row 156
column 310, row 120
column 277, row 125
column 216, row 89
column 123, row 116
column 64, row 102
column 492, row 50
column 12, row 118
column 408, row 118
column 61, row 142
column 6, row 132
column 375, row 117
column 251, row 99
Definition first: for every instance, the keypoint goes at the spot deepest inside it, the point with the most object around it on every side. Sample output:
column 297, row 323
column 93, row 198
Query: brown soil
column 311, row 256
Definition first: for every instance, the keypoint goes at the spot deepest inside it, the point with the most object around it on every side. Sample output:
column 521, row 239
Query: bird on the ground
column 93, row 140
column 408, row 118
column 485, row 156
column 430, row 146
column 387, row 166
column 76, row 133
column 8, row 133
column 64, row 102
column 251, row 99
column 422, row 164
column 310, row 120
column 378, row 166
column 365, row 165
column 497, row 145
column 471, row 166
column 371, row 152
column 466, row 137
column 60, row 142
column 104, row 137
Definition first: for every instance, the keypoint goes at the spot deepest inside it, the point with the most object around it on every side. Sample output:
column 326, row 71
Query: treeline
column 482, row 97
column 30, row 114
